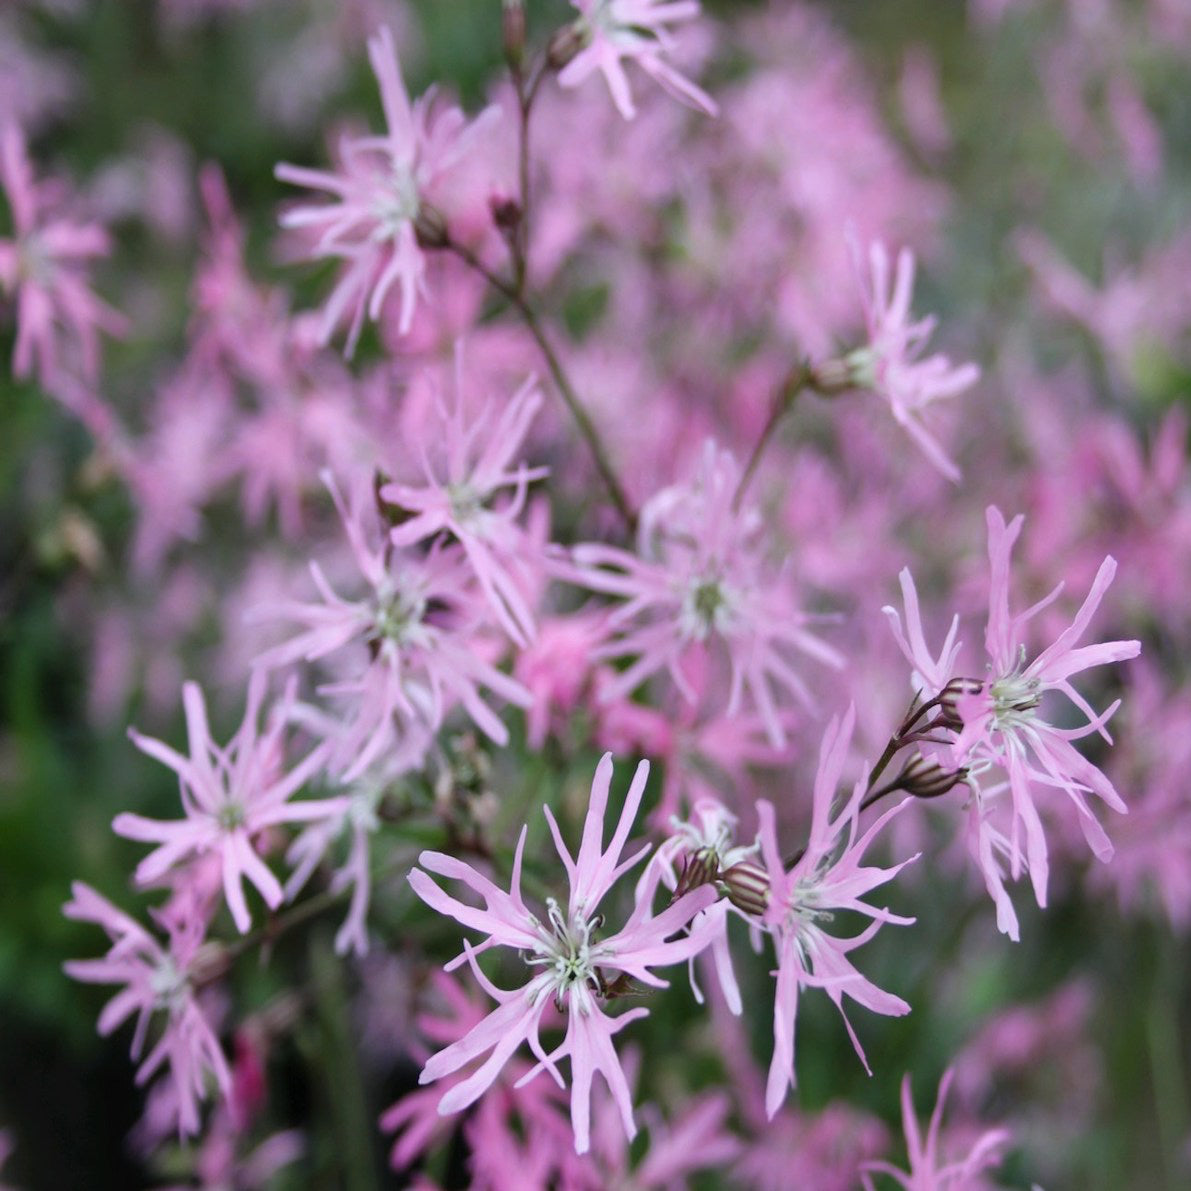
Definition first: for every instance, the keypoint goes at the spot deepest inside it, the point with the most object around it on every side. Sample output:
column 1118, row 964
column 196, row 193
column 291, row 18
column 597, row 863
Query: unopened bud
column 209, row 964
column 951, row 694
column 430, row 227
column 513, row 32
column 566, row 45
column 925, row 778
column 699, row 868
column 747, row 887
column 506, row 212
column 832, row 377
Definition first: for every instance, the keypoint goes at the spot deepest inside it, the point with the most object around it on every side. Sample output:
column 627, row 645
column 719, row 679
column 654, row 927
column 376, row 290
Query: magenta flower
column 415, row 634
column 230, row 795
column 699, row 581
column 929, row 1170
column 827, row 877
column 571, row 966
column 1001, row 722
column 156, row 979
column 611, row 32
column 479, row 450
column 889, row 365
column 45, row 267
column 379, row 191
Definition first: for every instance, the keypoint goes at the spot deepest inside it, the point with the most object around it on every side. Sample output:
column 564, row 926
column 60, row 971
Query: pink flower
column 827, row 877
column 613, row 31
column 230, row 795
column 889, row 365
column 156, row 979
column 927, row 1170
column 1001, row 722
column 419, row 649
column 699, row 581
column 380, row 190
column 572, row 966
column 45, row 266
column 992, row 725
column 479, row 450
column 532, row 1110
column 931, row 674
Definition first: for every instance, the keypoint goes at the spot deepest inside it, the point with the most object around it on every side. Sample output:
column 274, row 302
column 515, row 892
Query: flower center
column 706, row 608
column 565, row 954
column 397, row 205
column 169, row 986
column 231, row 815
column 398, row 616
column 36, row 265
column 1015, row 696
column 465, row 502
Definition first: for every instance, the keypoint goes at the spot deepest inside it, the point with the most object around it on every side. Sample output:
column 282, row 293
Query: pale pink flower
column 703, row 848
column 532, row 1109
column 889, row 364
column 230, row 795
column 478, row 450
column 410, row 649
column 699, row 582
column 44, row 266
column 827, row 877
column 693, row 1138
column 573, row 966
column 379, row 191
column 556, row 668
column 929, row 1169
column 359, row 822
column 156, row 978
column 611, row 32
column 1002, row 726
column 991, row 725
column 930, row 674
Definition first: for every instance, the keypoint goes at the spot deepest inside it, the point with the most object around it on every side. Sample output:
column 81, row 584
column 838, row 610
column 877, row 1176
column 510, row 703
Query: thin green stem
column 562, row 383
column 783, row 403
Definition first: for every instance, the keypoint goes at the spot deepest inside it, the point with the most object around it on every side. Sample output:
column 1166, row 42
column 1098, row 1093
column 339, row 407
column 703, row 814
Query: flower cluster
column 583, row 482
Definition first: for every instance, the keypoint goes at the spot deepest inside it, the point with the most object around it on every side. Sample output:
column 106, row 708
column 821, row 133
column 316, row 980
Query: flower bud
column 747, row 887
column 950, row 695
column 430, row 227
column 698, row 868
column 833, row 377
column 211, row 961
column 925, row 778
column 513, row 33
column 566, row 45
column 506, row 212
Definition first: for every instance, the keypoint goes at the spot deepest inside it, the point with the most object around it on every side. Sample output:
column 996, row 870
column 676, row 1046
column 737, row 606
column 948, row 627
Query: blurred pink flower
column 699, row 581
column 825, row 878
column 478, row 450
column 420, row 650
column 929, row 1169
column 611, row 32
column 532, row 1109
column 570, row 961
column 380, row 191
column 156, row 978
column 889, row 365
column 44, row 265
column 230, row 795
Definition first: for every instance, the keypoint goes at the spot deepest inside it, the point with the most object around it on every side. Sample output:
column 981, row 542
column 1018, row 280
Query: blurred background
column 1035, row 153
